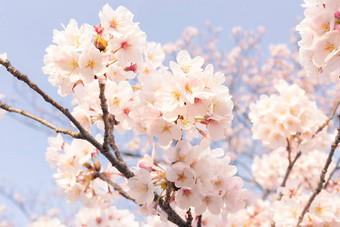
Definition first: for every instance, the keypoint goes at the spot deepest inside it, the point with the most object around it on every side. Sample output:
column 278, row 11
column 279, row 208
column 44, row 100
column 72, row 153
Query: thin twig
column 115, row 149
column 20, row 76
column 322, row 176
column 337, row 167
column 328, row 119
column 116, row 187
column 289, row 150
column 42, row 121
column 266, row 193
column 289, row 168
column 20, row 206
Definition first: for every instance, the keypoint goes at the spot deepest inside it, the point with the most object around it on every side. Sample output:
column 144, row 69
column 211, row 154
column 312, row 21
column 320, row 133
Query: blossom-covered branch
column 20, row 76
column 329, row 118
column 322, row 176
column 114, row 185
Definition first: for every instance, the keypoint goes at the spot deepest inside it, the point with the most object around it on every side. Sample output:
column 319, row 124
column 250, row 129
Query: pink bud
column 99, row 29
column 337, row 15
column 132, row 67
column 144, row 165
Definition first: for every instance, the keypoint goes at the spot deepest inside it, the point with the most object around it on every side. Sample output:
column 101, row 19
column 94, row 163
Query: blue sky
column 26, row 30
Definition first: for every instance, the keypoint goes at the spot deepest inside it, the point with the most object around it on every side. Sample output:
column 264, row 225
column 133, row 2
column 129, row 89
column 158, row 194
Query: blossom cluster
column 270, row 169
column 193, row 102
column 256, row 214
column 76, row 163
column 181, row 102
column 289, row 117
column 112, row 66
column 320, row 32
column 114, row 48
column 111, row 216
column 203, row 180
column 159, row 103
column 324, row 211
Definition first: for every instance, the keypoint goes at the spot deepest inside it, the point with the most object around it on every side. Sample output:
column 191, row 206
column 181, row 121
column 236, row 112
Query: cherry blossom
column 141, row 187
column 277, row 119
column 189, row 125
column 320, row 37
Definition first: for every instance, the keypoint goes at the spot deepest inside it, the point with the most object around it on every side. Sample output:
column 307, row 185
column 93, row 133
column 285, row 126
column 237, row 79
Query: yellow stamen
column 91, row 64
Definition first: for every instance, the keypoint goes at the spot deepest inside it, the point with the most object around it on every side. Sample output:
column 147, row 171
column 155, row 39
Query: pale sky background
column 26, row 30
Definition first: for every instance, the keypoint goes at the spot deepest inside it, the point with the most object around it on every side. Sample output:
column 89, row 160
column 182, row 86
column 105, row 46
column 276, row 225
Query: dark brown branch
column 189, row 220
column 20, row 76
column 42, row 121
column 328, row 119
column 169, row 187
column 336, row 168
column 266, row 193
column 289, row 150
column 109, row 123
column 116, row 187
column 115, row 148
column 289, row 168
column 322, row 176
column 172, row 215
column 119, row 165
column 199, row 221
column 108, row 128
column 130, row 154
column 109, row 139
column 84, row 134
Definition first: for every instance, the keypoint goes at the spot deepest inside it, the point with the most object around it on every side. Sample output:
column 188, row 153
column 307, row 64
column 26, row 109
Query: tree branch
column 84, row 134
column 322, row 176
column 337, row 167
column 172, row 215
column 108, row 128
column 109, row 122
column 328, row 119
column 189, row 220
column 290, row 167
column 199, row 221
column 116, row 187
column 42, row 121
column 20, row 76
column 119, row 165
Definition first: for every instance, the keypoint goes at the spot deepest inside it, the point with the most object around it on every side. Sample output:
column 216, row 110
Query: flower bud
column 97, row 166
column 132, row 67
column 100, row 43
column 88, row 166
